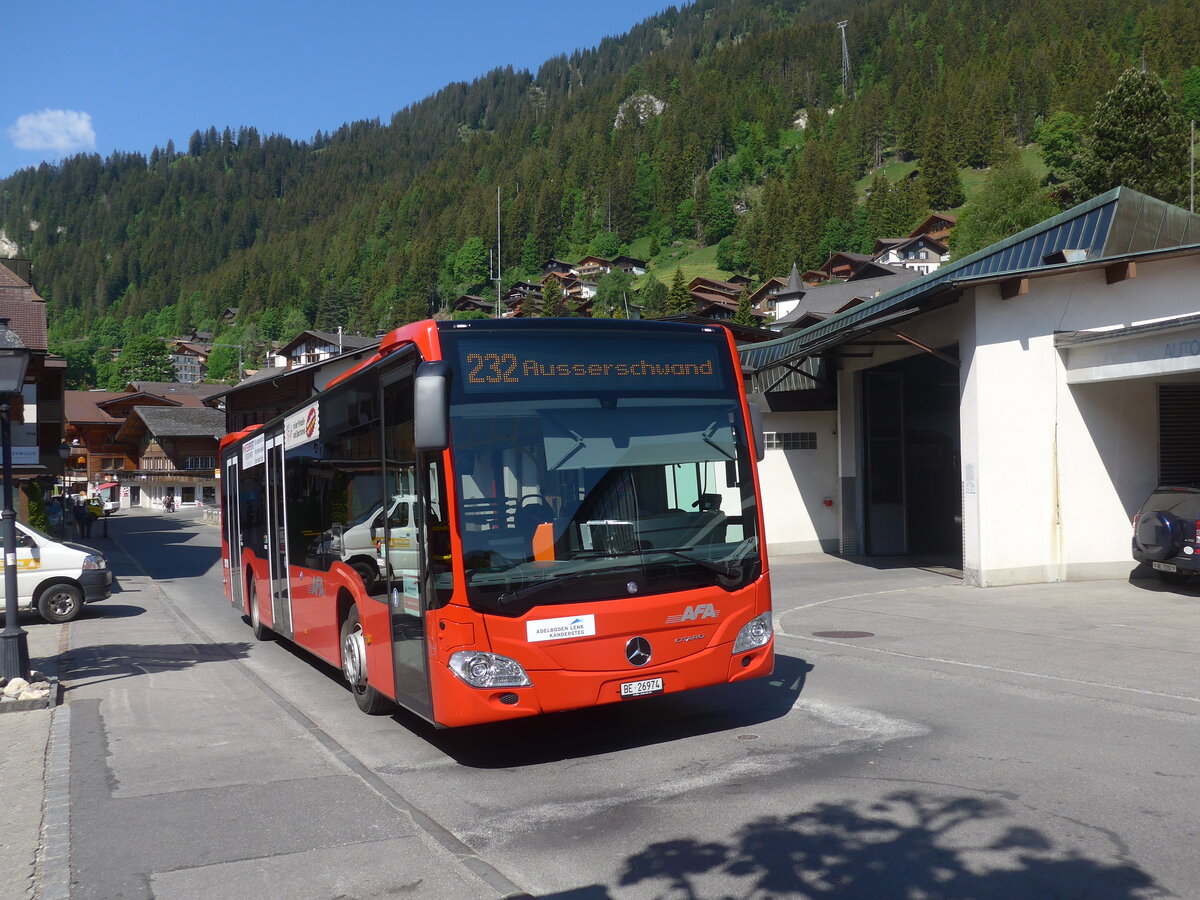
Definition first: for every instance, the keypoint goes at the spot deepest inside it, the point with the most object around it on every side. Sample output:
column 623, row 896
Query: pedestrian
column 169, row 503
column 82, row 518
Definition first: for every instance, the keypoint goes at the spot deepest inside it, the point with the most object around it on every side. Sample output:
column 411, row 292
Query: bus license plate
column 642, row 688
column 1162, row 567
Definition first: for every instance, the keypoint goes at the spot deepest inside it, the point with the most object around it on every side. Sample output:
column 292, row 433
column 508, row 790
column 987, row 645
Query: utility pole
column 845, row 62
column 498, row 272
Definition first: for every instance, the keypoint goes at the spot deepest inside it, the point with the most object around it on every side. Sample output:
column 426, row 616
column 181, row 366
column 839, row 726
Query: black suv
column 1165, row 533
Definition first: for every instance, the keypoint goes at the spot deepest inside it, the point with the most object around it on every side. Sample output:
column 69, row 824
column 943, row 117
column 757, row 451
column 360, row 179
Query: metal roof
column 1119, row 222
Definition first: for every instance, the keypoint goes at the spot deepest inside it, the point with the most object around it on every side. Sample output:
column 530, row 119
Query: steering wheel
column 536, row 498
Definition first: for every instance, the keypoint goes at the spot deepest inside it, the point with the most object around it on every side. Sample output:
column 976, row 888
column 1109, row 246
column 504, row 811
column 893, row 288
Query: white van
column 56, row 578
column 358, row 542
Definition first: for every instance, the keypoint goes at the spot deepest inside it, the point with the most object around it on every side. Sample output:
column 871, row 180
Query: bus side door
column 406, row 601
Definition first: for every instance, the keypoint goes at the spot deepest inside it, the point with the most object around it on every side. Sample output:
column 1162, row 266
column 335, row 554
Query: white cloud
column 60, row 130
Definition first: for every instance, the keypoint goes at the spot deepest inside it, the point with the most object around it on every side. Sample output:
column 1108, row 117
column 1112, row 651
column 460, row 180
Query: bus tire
column 354, row 667
column 261, row 631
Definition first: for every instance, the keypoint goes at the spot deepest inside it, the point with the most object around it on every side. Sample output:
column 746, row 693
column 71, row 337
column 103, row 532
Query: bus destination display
column 495, row 364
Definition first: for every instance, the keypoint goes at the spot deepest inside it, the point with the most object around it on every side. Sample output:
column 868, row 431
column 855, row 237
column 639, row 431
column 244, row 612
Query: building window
column 924, row 254
column 791, row 440
column 200, row 462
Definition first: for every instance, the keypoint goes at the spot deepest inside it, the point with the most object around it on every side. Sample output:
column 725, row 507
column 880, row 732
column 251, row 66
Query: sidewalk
column 24, row 745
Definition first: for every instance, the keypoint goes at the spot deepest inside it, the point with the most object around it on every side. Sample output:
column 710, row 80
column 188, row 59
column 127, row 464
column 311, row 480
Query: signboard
column 254, row 452
column 500, row 363
column 302, row 427
column 25, row 456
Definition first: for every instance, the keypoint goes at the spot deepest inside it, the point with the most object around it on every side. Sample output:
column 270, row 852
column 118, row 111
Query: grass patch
column 696, row 262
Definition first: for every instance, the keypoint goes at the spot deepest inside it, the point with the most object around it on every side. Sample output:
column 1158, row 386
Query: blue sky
column 90, row 76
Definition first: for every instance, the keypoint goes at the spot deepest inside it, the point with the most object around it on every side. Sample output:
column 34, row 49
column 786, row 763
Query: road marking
column 1006, row 671
column 847, row 597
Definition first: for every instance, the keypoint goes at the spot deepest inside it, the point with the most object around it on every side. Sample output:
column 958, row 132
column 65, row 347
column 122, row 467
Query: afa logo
column 692, row 613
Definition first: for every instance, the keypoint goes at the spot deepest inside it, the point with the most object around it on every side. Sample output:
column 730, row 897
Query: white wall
column 795, row 484
column 1060, row 468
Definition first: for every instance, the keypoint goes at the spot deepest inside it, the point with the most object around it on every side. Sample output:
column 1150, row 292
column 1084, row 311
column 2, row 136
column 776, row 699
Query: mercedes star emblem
column 637, row 651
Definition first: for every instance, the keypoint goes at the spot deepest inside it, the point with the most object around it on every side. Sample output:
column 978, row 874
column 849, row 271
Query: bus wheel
column 354, row 667
column 261, row 631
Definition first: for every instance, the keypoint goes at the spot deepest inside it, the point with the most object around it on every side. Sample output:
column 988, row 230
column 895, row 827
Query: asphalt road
column 1037, row 742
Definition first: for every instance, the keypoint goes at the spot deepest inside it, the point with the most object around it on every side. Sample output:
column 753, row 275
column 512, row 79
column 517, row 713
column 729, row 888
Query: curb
column 53, row 698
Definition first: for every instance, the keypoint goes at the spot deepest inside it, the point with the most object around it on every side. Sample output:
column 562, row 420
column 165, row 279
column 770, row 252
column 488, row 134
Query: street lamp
column 14, row 360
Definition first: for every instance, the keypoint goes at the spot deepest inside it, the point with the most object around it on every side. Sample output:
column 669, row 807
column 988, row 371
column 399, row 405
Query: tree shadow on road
column 907, row 846
column 108, row 662
column 620, row 726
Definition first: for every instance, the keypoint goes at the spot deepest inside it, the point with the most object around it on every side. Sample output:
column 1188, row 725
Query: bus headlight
column 488, row 670
column 754, row 633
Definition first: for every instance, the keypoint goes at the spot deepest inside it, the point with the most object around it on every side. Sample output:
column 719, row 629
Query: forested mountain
column 752, row 145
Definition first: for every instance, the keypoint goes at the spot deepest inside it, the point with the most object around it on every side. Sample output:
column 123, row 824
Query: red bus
column 500, row 518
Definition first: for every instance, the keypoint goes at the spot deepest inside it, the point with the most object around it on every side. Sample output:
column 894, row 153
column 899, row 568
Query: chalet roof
column 348, row 341
column 24, row 309
column 92, row 407
column 595, row 260
column 764, row 290
column 933, row 243
column 193, row 347
column 930, row 220
column 710, row 301
column 827, row 299
column 470, row 300
column 882, row 244
column 174, row 423
column 851, row 258
column 176, row 390
column 629, row 261
column 723, row 286
column 1119, row 224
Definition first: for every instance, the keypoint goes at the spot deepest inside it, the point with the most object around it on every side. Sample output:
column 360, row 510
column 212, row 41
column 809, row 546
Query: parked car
column 57, row 577
column 1165, row 533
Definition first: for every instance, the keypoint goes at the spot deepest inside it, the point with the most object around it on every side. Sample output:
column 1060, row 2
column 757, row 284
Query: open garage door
column 1179, row 434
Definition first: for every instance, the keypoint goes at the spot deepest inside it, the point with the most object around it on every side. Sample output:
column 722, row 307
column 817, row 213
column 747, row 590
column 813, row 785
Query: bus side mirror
column 756, row 426
column 431, row 406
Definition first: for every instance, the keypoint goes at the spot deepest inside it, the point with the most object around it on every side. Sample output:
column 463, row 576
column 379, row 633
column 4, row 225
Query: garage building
column 1005, row 415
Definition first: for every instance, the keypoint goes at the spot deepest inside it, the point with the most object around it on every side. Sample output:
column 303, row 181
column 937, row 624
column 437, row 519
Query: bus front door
column 402, row 539
column 230, row 518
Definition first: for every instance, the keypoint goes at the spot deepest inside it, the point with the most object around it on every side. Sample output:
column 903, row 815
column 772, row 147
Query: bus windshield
column 573, row 498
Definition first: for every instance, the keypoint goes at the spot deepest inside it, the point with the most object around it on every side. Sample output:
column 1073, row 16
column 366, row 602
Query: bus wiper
column 532, row 590
column 721, row 568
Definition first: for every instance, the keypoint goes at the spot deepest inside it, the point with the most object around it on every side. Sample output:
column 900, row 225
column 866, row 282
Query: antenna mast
column 845, row 61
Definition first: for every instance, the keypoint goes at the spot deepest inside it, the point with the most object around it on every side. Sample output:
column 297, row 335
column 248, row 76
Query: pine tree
column 1009, row 201
column 553, row 302
column 744, row 315
column 679, row 298
column 1138, row 138
column 939, row 176
column 653, row 298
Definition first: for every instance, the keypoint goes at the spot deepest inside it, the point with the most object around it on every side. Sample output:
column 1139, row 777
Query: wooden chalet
column 922, row 254
column 93, row 423
column 844, row 264
column 630, row 265
column 591, row 268
column 937, row 226
column 35, row 443
column 469, row 302
column 557, row 265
